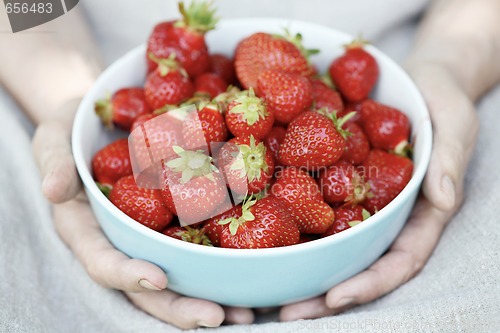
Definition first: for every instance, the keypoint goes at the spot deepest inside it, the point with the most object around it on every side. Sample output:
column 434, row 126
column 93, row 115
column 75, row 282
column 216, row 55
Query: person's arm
column 454, row 61
column 47, row 70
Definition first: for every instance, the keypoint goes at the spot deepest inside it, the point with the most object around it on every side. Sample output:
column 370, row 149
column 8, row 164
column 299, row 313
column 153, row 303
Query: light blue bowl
column 264, row 277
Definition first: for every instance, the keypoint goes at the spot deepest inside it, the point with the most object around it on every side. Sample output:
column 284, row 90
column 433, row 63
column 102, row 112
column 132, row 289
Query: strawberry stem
column 250, row 107
column 246, row 215
column 104, row 110
column 105, row 188
column 250, row 160
column 198, row 16
column 167, row 65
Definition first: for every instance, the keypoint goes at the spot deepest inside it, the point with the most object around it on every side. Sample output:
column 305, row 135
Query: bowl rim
column 91, row 189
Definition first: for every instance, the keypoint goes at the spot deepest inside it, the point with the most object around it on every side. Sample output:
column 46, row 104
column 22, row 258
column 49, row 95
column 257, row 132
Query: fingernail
column 148, row 285
column 344, row 302
column 204, row 324
column 449, row 189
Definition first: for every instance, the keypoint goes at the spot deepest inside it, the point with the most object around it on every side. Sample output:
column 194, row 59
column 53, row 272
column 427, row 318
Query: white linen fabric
column 45, row 289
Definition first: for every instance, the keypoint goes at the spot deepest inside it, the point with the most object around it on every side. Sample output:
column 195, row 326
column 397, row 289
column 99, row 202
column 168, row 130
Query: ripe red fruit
column 313, row 140
column 204, row 127
column 286, row 94
column 387, row 174
column 273, row 141
column 167, row 85
column 346, row 216
column 386, row 127
column 184, row 38
column 355, row 72
column 263, row 223
column 188, row 234
column 112, row 162
column 193, row 189
column 212, row 227
column 247, row 165
column 143, row 205
column 263, row 51
column 224, row 67
column 326, row 97
column 247, row 115
column 211, row 84
column 342, row 183
column 357, row 145
column 350, row 107
column 123, row 108
column 300, row 195
column 141, row 120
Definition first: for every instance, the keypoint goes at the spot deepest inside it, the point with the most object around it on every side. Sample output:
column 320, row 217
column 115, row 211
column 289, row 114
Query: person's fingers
column 52, row 150
column 107, row 266
column 309, row 309
column 183, row 312
column 240, row 316
column 404, row 260
column 455, row 127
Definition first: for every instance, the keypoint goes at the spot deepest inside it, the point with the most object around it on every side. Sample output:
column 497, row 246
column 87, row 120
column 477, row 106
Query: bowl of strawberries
column 253, row 169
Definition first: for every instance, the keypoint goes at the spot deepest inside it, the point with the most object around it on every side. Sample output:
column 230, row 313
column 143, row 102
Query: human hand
column 142, row 282
column 455, row 129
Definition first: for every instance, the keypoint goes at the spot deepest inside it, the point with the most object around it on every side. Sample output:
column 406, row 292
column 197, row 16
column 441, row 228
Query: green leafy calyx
column 251, row 107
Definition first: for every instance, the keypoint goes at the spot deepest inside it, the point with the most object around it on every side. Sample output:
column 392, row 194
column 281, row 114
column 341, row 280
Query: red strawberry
column 387, row 174
column 247, row 115
column 355, row 72
column 212, row 227
column 313, row 140
column 143, row 205
column 141, row 120
column 167, row 85
column 193, row 188
column 346, row 216
column 273, row 141
column 247, row 165
column 184, row 38
column 262, row 51
column 386, row 128
column 224, row 67
column 357, row 146
column 286, row 94
column 342, row 183
column 211, row 84
column 300, row 195
column 263, row 223
column 188, row 234
column 325, row 97
column 204, row 127
column 350, row 107
column 122, row 108
column 112, row 162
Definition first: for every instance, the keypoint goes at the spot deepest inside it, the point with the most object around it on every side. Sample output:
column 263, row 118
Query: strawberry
column 247, row 164
column 188, row 234
column 287, row 94
column 263, row 223
column 341, row 183
column 326, row 97
column 247, row 115
column 212, row 227
column 122, row 108
column 355, row 72
column 386, row 127
column 273, row 141
column 313, row 140
column 263, row 51
column 184, row 38
column 346, row 216
column 350, row 107
column 305, row 238
column 141, row 120
column 211, row 84
column 143, row 205
column 387, row 174
column 224, row 67
column 202, row 128
column 193, row 188
column 112, row 163
column 167, row 85
column 226, row 98
column 300, row 195
column 357, row 145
